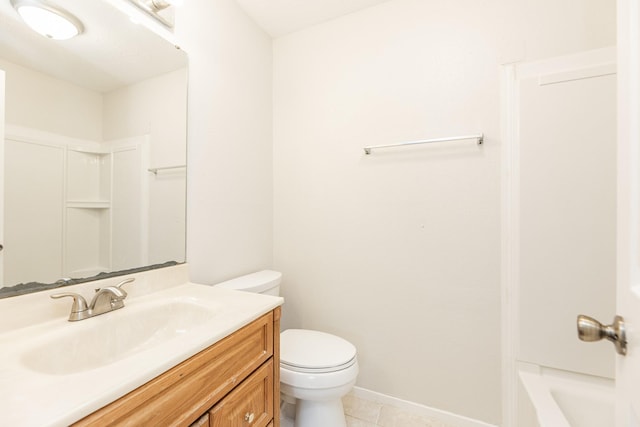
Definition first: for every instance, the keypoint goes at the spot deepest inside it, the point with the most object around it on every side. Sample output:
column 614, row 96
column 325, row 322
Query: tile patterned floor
column 366, row 413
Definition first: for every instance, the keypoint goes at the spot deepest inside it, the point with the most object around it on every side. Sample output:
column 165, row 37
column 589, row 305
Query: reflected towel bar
column 155, row 170
column 478, row 137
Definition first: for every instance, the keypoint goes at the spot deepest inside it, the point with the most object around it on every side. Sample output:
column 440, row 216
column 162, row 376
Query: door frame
column 628, row 300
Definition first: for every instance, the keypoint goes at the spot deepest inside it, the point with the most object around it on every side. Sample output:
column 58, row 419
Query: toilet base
column 319, row 413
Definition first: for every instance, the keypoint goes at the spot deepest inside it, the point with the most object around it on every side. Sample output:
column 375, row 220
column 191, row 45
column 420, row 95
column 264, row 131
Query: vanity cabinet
column 233, row 383
column 251, row 402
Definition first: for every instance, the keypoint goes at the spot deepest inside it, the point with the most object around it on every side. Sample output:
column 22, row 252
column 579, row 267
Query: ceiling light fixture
column 159, row 9
column 161, row 4
column 48, row 20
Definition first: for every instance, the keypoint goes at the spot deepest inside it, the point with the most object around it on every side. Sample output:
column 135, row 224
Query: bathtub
column 564, row 399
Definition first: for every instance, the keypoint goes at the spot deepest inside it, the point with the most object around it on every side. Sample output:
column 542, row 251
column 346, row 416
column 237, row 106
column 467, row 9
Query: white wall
column 155, row 107
column 41, row 102
column 230, row 197
column 399, row 251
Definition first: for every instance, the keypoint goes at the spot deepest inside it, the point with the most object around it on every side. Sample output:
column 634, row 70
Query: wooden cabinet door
column 250, row 404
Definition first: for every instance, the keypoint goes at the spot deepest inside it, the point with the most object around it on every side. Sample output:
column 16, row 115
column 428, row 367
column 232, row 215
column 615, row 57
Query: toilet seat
column 317, row 370
column 307, row 351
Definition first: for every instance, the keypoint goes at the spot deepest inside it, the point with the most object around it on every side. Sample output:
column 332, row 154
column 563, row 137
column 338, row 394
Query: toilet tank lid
column 258, row 282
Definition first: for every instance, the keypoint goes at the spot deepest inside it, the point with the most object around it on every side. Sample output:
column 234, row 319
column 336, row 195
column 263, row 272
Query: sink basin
column 165, row 321
column 87, row 344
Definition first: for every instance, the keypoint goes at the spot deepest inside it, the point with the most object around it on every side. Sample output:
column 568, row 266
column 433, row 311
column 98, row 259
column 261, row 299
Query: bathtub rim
column 540, row 383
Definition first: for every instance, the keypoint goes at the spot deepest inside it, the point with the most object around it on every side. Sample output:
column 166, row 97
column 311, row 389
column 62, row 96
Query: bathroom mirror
column 94, row 171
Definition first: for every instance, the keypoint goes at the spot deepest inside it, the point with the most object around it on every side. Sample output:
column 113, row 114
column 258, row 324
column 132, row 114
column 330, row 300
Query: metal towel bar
column 478, row 137
column 155, row 170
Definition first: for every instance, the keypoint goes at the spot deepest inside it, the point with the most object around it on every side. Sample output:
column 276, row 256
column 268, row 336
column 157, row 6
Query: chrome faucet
column 105, row 300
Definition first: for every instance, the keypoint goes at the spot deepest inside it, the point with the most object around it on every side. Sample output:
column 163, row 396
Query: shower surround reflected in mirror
column 95, row 149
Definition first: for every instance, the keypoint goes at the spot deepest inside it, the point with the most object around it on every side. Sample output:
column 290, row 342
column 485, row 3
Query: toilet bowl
column 316, row 368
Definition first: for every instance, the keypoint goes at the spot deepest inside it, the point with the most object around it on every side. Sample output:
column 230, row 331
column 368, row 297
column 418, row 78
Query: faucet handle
column 124, row 282
column 79, row 304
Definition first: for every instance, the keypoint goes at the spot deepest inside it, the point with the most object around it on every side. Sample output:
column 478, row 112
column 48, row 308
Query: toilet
column 316, row 368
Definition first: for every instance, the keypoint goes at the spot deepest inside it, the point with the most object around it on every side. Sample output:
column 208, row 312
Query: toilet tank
column 265, row 282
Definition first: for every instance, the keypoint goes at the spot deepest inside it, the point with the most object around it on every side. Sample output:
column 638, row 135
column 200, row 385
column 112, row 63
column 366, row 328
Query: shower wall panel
column 567, row 175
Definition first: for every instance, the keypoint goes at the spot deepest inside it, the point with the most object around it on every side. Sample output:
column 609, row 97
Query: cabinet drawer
column 182, row 394
column 250, row 404
column 203, row 421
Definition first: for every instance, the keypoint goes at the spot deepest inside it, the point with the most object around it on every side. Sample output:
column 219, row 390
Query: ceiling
column 280, row 17
column 111, row 52
column 108, row 54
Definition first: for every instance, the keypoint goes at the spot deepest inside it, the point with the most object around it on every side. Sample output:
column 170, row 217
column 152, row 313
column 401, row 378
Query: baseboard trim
column 418, row 409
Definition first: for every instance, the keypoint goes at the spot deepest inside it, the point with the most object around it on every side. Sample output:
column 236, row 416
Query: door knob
column 589, row 329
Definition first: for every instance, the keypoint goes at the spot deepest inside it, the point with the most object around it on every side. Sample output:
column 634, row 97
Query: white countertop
column 32, row 398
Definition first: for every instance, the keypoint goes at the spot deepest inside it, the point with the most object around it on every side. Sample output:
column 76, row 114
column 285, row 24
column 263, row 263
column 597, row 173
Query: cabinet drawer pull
column 248, row 417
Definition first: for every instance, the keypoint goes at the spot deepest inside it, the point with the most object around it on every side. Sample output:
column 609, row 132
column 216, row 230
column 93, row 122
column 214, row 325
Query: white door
column 628, row 268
